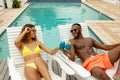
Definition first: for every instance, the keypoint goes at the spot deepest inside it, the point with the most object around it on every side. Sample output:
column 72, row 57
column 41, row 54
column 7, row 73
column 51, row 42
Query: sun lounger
column 16, row 62
column 81, row 73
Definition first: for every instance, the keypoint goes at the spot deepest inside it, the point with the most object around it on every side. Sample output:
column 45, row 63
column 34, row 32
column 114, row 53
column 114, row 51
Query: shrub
column 16, row 4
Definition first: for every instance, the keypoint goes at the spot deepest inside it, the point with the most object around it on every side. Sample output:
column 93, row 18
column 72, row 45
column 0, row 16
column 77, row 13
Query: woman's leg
column 43, row 68
column 31, row 73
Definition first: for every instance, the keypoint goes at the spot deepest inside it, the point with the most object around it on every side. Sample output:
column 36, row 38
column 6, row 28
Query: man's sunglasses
column 73, row 30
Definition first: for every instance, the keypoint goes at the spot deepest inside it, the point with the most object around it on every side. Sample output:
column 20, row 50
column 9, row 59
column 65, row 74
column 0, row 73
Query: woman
column 29, row 46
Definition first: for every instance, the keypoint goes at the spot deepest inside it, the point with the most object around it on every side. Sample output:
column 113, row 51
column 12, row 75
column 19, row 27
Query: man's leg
column 99, row 73
column 117, row 74
column 114, row 55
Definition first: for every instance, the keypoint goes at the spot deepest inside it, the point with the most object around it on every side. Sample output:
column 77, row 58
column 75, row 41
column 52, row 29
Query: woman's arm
column 43, row 47
column 17, row 41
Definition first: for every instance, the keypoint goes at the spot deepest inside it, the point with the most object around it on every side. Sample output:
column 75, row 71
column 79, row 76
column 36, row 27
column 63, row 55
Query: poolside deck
column 107, row 31
column 4, row 73
column 7, row 16
column 109, row 9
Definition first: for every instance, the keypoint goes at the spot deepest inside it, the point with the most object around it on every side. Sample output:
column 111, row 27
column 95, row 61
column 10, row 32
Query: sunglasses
column 34, row 30
column 73, row 30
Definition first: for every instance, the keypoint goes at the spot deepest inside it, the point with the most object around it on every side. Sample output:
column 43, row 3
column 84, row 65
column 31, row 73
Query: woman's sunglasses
column 73, row 30
column 32, row 30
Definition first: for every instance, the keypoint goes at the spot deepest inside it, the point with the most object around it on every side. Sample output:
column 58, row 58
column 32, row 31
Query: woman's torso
column 30, row 52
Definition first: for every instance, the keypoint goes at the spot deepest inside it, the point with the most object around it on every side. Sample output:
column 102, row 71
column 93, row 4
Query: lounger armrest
column 12, row 71
column 63, row 65
column 79, row 69
column 62, row 56
column 76, row 67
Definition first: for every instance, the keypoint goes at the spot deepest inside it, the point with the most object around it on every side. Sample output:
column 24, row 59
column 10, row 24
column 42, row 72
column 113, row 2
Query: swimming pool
column 49, row 16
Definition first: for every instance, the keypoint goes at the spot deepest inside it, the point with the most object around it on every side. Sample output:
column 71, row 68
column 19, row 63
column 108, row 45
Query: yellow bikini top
column 26, row 51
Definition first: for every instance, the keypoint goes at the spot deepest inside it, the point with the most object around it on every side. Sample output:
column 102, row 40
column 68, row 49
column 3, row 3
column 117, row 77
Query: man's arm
column 103, row 46
column 72, row 53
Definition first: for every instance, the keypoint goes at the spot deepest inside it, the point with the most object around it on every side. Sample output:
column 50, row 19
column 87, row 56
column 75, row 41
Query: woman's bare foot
column 116, row 77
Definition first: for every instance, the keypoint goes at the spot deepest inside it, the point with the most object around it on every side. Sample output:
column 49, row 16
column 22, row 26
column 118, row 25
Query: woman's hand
column 27, row 30
column 62, row 45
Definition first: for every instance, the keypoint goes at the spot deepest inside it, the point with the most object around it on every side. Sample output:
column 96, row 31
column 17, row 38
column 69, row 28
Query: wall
column 23, row 1
column 54, row 0
column 112, row 1
column 2, row 3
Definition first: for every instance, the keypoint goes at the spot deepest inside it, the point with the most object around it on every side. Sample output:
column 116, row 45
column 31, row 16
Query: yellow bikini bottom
column 32, row 65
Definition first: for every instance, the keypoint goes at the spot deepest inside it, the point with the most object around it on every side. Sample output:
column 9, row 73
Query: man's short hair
column 77, row 24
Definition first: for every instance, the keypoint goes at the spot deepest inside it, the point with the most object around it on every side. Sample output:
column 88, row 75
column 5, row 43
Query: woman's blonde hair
column 26, row 36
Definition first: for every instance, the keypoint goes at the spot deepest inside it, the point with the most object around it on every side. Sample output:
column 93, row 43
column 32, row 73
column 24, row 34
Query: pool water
column 49, row 16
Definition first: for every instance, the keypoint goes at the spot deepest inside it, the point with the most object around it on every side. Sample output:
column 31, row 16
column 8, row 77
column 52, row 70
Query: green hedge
column 16, row 4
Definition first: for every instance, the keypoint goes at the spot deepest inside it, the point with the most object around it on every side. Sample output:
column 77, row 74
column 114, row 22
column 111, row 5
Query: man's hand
column 65, row 52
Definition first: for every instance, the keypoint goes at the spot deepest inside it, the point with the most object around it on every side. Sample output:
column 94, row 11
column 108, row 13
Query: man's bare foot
column 116, row 77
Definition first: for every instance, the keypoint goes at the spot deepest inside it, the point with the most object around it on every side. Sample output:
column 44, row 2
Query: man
column 93, row 62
